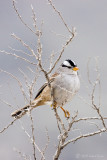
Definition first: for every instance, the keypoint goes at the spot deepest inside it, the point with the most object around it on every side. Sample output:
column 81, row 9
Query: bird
column 60, row 89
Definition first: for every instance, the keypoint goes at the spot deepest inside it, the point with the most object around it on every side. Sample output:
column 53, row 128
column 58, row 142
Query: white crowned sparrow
column 64, row 84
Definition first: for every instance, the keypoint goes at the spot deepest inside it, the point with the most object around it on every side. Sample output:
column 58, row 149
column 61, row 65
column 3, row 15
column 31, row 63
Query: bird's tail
column 19, row 113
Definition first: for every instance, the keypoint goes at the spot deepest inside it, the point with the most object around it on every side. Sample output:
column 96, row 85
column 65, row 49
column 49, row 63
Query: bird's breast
column 65, row 87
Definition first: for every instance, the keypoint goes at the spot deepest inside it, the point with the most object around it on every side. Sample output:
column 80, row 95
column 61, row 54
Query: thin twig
column 33, row 137
column 61, row 17
column 20, row 84
column 88, row 118
column 72, row 122
column 72, row 33
column 46, row 146
column 84, row 136
column 35, row 22
column 25, row 45
column 21, row 51
column 95, row 106
column 3, row 101
column 59, row 119
column 60, row 54
column 22, row 155
column 19, row 57
column 32, row 140
column 21, row 19
column 10, row 124
column 88, row 73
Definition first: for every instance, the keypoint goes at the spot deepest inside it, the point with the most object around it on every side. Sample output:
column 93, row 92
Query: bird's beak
column 75, row 68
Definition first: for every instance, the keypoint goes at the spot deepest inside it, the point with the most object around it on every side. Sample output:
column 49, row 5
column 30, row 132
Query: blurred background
column 90, row 20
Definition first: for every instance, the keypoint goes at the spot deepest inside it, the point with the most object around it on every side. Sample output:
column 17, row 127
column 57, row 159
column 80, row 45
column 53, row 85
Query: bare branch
column 98, row 75
column 60, row 54
column 68, row 41
column 22, row 155
column 59, row 119
column 33, row 137
column 21, row 51
column 10, row 124
column 64, row 134
column 3, row 101
column 72, row 122
column 19, row 57
column 20, row 84
column 48, row 140
column 25, row 78
column 36, row 146
column 84, row 136
column 50, row 2
column 89, row 118
column 88, row 73
column 24, row 44
column 21, row 19
column 38, row 32
column 94, row 105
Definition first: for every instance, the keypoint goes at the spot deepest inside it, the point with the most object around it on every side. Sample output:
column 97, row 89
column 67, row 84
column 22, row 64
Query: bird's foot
column 66, row 113
column 54, row 105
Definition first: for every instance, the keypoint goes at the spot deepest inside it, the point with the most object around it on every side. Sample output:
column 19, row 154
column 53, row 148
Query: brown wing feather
column 42, row 98
column 44, row 86
column 40, row 90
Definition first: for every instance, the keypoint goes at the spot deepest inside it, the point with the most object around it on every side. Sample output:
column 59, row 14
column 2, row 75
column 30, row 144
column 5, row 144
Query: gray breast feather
column 65, row 87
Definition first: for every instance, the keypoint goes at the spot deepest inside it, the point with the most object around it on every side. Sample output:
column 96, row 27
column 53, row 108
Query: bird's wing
column 44, row 86
column 40, row 90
